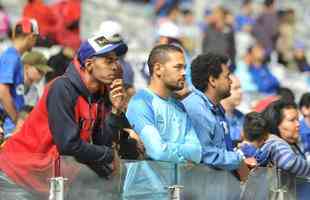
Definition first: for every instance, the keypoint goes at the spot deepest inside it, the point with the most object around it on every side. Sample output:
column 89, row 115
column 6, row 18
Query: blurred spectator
column 243, row 26
column 35, row 68
column 262, row 104
column 219, row 36
column 282, row 93
column 257, row 72
column 266, row 29
column 164, row 7
column 245, row 20
column 285, row 42
column 59, row 62
column 190, row 30
column 285, row 94
column 242, row 72
column 300, row 58
column 25, row 34
column 68, row 14
column 233, row 115
column 21, row 117
column 304, row 106
column 169, row 33
column 46, row 20
column 4, row 23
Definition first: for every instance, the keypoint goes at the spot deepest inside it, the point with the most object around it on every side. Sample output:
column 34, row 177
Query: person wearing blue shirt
column 211, row 79
column 162, row 125
column 12, row 73
column 234, row 117
column 262, row 77
column 304, row 129
column 160, row 120
column 245, row 18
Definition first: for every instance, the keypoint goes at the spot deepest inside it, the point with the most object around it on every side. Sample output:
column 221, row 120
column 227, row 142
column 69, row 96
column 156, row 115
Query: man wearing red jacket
column 73, row 117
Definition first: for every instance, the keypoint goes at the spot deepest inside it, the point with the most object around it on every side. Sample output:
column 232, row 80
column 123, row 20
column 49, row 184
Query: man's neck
column 307, row 120
column 91, row 84
column 159, row 89
column 229, row 109
column 212, row 96
column 18, row 46
column 257, row 63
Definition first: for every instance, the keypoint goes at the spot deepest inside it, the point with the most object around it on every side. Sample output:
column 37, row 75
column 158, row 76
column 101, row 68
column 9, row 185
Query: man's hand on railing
column 250, row 162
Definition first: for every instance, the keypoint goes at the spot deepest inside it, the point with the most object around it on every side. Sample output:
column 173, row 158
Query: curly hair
column 204, row 66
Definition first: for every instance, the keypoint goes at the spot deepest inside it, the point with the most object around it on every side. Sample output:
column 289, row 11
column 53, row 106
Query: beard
column 174, row 87
column 225, row 94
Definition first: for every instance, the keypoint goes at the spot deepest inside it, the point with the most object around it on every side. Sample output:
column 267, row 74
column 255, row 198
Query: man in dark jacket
column 70, row 119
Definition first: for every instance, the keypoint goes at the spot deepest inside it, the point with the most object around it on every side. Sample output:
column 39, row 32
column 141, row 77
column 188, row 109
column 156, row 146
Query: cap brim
column 44, row 68
column 119, row 48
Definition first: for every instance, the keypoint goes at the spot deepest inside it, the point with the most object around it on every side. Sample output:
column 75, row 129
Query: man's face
column 258, row 53
column 173, row 71
column 223, row 83
column 106, row 69
column 30, row 41
column 32, row 75
column 235, row 92
column 305, row 111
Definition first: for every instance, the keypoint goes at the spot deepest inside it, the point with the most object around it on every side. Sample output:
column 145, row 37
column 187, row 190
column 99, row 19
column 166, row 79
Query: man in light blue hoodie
column 160, row 120
column 163, row 126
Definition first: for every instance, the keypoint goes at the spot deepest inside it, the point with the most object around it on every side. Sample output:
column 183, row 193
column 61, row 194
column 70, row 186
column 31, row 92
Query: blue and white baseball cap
column 99, row 45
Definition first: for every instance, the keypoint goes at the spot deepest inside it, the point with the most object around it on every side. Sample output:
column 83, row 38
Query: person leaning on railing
column 70, row 119
column 281, row 148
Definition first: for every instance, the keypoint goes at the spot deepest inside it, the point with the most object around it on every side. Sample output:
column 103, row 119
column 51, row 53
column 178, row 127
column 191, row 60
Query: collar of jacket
column 75, row 75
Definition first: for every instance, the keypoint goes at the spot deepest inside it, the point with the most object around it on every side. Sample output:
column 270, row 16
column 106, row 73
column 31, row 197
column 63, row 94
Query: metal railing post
column 175, row 192
column 57, row 186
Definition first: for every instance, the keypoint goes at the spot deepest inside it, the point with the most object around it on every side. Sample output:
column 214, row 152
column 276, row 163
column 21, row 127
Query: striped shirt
column 286, row 157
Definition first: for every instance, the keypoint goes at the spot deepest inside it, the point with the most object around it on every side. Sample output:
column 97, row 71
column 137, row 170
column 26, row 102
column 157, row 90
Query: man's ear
column 212, row 81
column 157, row 69
column 88, row 65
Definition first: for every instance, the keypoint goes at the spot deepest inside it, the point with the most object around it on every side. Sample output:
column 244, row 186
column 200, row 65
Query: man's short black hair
column 254, row 127
column 204, row 66
column 305, row 100
column 160, row 54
